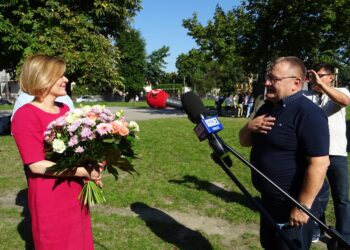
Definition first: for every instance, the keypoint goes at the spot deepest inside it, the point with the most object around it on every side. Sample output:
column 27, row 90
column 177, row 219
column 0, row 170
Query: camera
column 311, row 78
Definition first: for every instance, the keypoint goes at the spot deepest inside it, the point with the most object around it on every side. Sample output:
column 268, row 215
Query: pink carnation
column 79, row 149
column 104, row 128
column 73, row 141
column 49, row 135
column 86, row 133
column 60, row 122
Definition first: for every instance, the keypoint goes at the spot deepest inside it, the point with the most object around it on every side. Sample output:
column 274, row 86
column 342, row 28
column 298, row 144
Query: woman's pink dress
column 59, row 221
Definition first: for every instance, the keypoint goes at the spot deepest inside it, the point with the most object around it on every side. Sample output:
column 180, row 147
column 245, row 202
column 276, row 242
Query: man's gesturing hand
column 261, row 124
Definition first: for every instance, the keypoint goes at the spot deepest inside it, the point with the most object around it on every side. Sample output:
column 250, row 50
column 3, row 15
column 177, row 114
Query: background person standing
column 334, row 101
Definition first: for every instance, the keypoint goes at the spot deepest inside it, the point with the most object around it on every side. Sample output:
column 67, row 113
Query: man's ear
column 297, row 84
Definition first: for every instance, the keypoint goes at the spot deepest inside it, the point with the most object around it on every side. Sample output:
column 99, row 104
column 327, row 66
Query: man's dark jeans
column 338, row 179
column 279, row 208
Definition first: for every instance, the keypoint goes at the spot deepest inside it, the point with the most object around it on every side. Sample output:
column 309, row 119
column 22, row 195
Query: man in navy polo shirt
column 290, row 141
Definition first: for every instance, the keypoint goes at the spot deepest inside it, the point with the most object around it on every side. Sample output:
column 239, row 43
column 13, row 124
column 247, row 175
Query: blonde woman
column 59, row 220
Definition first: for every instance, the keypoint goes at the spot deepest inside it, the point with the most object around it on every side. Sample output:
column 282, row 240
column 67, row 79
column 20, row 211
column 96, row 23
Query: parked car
column 87, row 98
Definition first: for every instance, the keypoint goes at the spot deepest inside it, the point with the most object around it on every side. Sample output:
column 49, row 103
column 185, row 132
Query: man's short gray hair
column 294, row 62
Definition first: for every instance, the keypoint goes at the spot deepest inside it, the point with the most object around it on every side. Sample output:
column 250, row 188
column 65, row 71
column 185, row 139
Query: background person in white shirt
column 334, row 101
column 24, row 98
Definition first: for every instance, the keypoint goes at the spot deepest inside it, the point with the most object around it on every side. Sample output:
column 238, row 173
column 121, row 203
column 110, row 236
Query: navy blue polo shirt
column 300, row 131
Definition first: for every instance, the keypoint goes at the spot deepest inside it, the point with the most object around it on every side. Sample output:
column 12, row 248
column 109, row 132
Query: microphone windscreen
column 156, row 98
column 193, row 106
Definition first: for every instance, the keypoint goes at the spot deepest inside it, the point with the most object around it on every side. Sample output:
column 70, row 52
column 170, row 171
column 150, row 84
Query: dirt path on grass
column 184, row 223
column 190, row 220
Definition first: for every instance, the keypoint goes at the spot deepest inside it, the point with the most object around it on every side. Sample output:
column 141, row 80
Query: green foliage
column 78, row 31
column 172, row 77
column 133, row 61
column 246, row 38
column 216, row 63
column 310, row 30
column 155, row 64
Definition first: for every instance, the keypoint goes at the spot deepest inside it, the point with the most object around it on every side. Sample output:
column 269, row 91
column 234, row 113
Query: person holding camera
column 334, row 101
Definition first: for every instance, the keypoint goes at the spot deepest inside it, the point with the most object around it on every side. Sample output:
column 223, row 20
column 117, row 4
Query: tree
column 191, row 68
column 79, row 31
column 312, row 30
column 133, row 60
column 155, row 65
column 217, row 44
column 246, row 38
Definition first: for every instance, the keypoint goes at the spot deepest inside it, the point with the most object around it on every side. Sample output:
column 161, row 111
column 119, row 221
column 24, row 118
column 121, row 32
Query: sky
column 160, row 23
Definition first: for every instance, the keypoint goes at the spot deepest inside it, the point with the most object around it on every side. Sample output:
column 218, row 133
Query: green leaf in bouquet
column 91, row 194
column 97, row 193
column 112, row 154
column 125, row 165
column 109, row 140
column 88, row 201
column 126, row 148
column 113, row 171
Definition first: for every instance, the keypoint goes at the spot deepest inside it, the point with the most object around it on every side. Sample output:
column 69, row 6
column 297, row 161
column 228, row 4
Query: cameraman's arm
column 335, row 95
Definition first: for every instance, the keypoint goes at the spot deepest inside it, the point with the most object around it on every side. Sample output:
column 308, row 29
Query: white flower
column 58, row 146
column 85, row 108
column 73, row 115
column 99, row 107
column 119, row 114
column 70, row 118
column 134, row 127
column 77, row 112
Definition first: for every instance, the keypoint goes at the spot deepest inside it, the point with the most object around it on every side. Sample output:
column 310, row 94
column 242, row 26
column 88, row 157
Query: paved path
column 136, row 114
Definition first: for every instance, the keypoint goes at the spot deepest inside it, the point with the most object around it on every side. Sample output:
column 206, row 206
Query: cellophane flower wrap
column 91, row 136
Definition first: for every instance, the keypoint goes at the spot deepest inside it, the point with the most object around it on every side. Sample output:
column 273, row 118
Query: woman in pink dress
column 59, row 220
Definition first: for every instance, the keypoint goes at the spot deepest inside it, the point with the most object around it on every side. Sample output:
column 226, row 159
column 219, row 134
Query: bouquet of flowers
column 91, row 136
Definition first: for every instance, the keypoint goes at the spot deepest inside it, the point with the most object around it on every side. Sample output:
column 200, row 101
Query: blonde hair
column 39, row 73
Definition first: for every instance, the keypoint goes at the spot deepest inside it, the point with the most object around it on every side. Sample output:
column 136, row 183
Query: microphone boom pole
column 256, row 204
column 194, row 108
column 331, row 231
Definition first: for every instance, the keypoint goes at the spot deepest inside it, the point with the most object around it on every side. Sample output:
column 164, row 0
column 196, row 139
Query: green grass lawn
column 177, row 186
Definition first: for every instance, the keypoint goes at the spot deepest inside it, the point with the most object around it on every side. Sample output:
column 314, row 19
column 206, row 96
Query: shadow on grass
column 24, row 228
column 168, row 229
column 213, row 189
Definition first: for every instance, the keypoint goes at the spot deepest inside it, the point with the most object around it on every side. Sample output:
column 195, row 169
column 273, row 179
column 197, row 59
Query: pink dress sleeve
column 28, row 133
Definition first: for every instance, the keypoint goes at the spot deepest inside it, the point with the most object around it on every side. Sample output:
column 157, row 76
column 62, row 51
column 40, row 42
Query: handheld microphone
column 194, row 108
column 158, row 98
